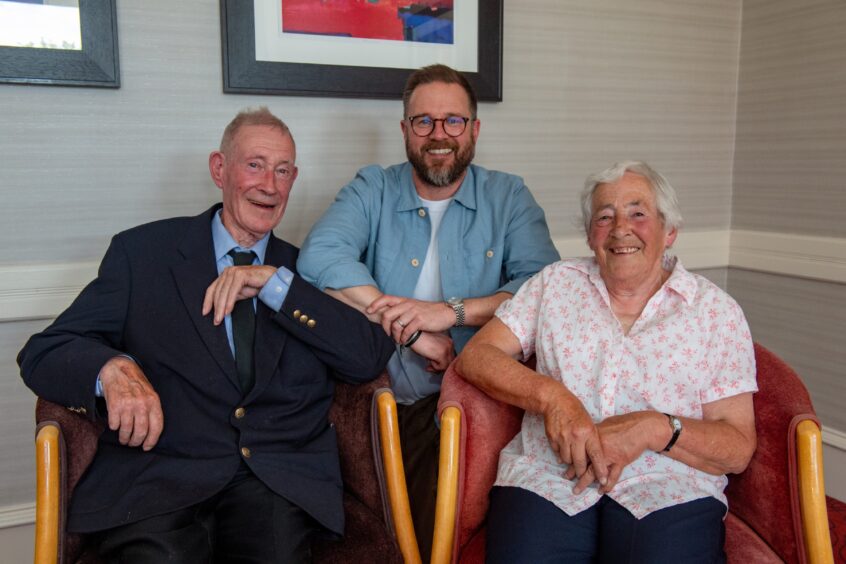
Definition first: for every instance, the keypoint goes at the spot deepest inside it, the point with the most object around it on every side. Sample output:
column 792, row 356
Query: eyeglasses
column 424, row 125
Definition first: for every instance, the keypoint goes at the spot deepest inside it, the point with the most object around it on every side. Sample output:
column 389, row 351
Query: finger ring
column 401, row 324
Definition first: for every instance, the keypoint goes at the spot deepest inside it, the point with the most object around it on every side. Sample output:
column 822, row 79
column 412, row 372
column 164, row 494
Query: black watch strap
column 676, row 426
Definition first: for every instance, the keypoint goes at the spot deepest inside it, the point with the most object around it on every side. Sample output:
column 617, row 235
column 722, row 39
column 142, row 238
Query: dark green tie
column 244, row 330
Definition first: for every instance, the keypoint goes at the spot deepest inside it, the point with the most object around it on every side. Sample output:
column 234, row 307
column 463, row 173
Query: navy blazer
column 146, row 301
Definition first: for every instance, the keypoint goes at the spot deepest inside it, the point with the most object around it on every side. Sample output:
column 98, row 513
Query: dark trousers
column 524, row 527
column 244, row 523
column 421, row 443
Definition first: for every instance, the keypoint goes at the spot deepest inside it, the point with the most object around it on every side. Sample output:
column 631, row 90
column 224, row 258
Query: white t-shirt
column 409, row 378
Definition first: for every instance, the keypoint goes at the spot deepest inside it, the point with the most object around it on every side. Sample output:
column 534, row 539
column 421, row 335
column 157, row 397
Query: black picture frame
column 243, row 74
column 96, row 64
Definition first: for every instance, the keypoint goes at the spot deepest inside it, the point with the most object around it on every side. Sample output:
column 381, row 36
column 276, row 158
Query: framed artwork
column 357, row 48
column 83, row 53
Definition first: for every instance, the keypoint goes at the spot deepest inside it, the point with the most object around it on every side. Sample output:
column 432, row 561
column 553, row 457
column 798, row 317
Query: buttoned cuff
column 276, row 289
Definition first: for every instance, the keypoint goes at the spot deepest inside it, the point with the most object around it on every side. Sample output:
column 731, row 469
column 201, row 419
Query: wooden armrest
column 812, row 493
column 446, row 504
column 47, row 493
column 395, row 477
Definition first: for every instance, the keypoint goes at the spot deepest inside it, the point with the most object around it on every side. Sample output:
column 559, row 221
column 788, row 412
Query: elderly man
column 429, row 248
column 213, row 364
column 642, row 395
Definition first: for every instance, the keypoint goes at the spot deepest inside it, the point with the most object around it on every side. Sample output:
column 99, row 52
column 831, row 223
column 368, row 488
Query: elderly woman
column 642, row 398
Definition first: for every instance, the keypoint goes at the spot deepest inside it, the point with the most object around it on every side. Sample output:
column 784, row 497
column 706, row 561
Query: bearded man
column 428, row 248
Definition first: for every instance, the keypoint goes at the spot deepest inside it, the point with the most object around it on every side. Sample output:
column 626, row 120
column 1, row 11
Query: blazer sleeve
column 339, row 335
column 62, row 362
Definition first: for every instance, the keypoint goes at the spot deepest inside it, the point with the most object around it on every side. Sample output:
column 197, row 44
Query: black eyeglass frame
column 435, row 122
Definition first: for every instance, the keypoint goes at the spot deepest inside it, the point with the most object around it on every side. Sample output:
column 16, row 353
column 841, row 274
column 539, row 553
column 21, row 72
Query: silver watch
column 457, row 305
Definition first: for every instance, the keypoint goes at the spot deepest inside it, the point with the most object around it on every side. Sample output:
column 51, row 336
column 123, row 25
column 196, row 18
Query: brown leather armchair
column 66, row 444
column 777, row 505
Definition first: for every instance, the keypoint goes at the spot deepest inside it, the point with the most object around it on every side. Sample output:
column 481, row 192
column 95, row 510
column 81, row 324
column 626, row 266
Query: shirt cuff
column 98, row 387
column 276, row 289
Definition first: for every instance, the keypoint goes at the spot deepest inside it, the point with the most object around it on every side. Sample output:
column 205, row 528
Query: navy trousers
column 524, row 527
column 246, row 523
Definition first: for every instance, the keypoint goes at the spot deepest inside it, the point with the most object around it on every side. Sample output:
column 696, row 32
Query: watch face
column 454, row 301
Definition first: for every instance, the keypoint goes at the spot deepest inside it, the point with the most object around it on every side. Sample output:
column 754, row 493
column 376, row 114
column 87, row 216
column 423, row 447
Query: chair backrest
column 765, row 496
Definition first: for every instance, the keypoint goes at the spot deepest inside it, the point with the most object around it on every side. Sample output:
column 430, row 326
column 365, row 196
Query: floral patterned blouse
column 690, row 346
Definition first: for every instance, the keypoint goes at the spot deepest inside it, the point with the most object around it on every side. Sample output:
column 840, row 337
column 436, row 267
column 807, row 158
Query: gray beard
column 445, row 175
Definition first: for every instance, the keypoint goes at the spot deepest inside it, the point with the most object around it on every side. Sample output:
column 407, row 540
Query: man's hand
column 437, row 349
column 235, row 283
column 401, row 317
column 574, row 438
column 134, row 407
column 624, row 438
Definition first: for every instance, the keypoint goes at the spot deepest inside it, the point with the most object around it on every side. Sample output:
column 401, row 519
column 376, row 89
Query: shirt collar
column 680, row 281
column 223, row 241
column 410, row 200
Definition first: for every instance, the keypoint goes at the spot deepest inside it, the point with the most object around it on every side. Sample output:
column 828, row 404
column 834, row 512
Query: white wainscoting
column 821, row 258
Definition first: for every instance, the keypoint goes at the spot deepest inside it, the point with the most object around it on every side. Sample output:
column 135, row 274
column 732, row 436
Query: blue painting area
column 427, row 26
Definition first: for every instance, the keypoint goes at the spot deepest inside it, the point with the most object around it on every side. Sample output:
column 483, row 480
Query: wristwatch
column 457, row 305
column 676, row 426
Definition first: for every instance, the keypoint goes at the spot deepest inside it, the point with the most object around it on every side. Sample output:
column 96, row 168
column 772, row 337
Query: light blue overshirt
column 493, row 237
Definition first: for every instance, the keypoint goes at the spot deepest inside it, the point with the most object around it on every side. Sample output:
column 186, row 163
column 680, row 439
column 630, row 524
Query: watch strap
column 676, row 426
column 458, row 308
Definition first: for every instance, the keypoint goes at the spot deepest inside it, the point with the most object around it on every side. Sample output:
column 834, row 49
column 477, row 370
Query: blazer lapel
column 192, row 277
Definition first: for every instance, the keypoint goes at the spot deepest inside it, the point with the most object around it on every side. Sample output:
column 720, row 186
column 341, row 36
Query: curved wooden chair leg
column 394, row 473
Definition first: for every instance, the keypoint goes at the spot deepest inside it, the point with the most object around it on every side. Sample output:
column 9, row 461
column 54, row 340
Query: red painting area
column 365, row 19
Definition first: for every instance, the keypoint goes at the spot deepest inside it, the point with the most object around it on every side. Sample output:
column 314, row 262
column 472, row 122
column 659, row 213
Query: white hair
column 665, row 194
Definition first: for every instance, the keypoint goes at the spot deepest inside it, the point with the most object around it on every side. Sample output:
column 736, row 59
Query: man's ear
column 217, row 162
column 477, row 125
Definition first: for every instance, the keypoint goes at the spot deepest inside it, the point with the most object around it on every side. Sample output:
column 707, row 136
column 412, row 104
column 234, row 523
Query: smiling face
column 627, row 232
column 256, row 176
column 439, row 160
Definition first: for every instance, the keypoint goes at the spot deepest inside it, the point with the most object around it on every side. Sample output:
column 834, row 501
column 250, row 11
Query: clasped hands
column 134, row 407
column 402, row 317
column 594, row 452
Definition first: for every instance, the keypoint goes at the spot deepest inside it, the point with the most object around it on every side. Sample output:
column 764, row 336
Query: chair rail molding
column 15, row 515
column 696, row 249
column 42, row 291
column 803, row 256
